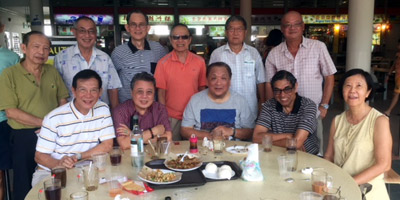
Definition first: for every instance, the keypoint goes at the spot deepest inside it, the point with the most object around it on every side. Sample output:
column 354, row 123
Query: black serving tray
column 189, row 179
column 233, row 165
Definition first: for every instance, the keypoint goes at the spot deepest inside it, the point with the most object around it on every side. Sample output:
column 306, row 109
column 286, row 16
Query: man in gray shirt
column 218, row 108
column 138, row 55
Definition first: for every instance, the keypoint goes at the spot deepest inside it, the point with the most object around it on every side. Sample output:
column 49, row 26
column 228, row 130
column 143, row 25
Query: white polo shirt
column 65, row 131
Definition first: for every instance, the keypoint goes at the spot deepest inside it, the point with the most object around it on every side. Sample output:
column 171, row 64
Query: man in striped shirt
column 288, row 115
column 138, row 55
column 75, row 130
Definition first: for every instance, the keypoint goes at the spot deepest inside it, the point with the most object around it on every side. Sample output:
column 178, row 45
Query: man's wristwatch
column 78, row 156
column 325, row 106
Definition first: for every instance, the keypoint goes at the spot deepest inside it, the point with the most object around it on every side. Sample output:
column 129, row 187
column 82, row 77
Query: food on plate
column 225, row 167
column 159, row 176
column 130, row 185
column 188, row 162
column 224, row 173
column 211, row 168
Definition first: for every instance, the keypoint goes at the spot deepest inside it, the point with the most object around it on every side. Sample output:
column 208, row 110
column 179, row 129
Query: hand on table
column 68, row 161
column 123, row 130
column 225, row 131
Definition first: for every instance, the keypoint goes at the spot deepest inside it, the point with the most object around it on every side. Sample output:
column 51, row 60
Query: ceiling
column 21, row 7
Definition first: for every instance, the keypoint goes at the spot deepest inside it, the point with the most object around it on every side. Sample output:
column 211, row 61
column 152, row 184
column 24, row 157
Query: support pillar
column 36, row 15
column 359, row 34
column 245, row 12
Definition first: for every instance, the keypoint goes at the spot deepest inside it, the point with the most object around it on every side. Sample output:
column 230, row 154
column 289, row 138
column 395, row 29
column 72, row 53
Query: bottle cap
column 193, row 138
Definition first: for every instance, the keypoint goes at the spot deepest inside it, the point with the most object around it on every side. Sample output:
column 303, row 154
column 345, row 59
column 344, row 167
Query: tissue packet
column 251, row 165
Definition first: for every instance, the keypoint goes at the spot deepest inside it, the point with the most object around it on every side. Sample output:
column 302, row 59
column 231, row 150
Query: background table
column 273, row 185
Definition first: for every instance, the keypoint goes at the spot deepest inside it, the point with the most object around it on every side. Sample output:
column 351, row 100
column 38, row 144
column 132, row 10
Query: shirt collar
column 244, row 47
column 174, row 57
column 78, row 52
column 134, row 49
column 24, row 72
column 296, row 106
column 78, row 114
column 304, row 43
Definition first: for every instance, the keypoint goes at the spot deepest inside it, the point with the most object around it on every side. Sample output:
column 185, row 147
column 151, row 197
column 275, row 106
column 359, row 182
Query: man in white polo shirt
column 75, row 130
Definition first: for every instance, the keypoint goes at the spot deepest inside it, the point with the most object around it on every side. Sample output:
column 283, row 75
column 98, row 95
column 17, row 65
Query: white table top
column 273, row 185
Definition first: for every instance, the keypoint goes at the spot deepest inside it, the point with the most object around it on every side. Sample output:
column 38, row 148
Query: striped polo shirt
column 128, row 61
column 65, row 131
column 303, row 116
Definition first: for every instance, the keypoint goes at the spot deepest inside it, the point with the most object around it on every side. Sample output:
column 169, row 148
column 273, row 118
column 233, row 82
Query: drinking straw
column 165, row 152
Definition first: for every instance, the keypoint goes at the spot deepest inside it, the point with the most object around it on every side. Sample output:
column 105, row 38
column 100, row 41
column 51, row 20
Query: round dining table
column 273, row 186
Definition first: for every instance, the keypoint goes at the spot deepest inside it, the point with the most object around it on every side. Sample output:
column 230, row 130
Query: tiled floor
column 337, row 107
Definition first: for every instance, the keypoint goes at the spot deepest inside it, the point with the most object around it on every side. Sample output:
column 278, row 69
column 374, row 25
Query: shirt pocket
column 249, row 66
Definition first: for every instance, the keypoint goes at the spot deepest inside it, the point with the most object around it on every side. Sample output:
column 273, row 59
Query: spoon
column 184, row 155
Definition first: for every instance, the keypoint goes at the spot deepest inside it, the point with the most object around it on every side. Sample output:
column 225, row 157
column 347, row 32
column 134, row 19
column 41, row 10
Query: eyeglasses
column 83, row 31
column 286, row 90
column 141, row 25
column 239, row 30
column 177, row 37
column 297, row 25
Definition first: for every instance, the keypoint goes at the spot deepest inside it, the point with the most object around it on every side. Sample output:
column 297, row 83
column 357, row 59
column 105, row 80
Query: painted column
column 36, row 15
column 359, row 34
column 245, row 12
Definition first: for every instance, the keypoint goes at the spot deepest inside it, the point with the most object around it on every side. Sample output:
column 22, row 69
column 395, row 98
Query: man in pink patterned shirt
column 308, row 60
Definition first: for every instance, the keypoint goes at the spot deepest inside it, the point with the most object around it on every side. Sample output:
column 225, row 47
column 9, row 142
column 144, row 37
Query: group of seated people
column 359, row 142
column 360, row 139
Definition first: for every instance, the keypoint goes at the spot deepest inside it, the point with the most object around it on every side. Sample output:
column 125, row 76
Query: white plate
column 183, row 170
column 215, row 175
column 178, row 177
column 237, row 149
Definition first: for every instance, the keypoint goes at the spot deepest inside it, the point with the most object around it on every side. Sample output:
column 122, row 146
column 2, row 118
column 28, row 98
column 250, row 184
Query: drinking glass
column 283, row 169
column 218, row 142
column 115, row 156
column 81, row 195
column 114, row 187
column 52, row 189
column 292, row 160
column 100, row 161
column 60, row 172
column 267, row 143
column 310, row 196
column 291, row 144
column 91, row 177
column 318, row 180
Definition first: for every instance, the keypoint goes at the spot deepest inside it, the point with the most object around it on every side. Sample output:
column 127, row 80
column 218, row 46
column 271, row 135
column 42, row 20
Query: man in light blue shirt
column 85, row 55
column 7, row 59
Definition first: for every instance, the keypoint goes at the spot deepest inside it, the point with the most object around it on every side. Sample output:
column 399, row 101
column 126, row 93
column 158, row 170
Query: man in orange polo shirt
column 179, row 75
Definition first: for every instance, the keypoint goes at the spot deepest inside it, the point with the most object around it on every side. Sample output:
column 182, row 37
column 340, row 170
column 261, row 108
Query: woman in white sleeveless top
column 360, row 140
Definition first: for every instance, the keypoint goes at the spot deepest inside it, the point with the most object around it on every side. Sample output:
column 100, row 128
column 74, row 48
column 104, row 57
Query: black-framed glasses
column 141, row 25
column 286, row 90
column 177, row 37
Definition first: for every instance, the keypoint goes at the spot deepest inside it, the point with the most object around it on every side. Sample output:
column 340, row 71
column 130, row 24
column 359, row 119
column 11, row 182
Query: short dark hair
column 180, row 24
column 137, row 12
column 27, row 37
column 367, row 77
column 143, row 76
column 219, row 64
column 274, row 38
column 284, row 75
column 83, row 18
column 86, row 74
column 234, row 18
